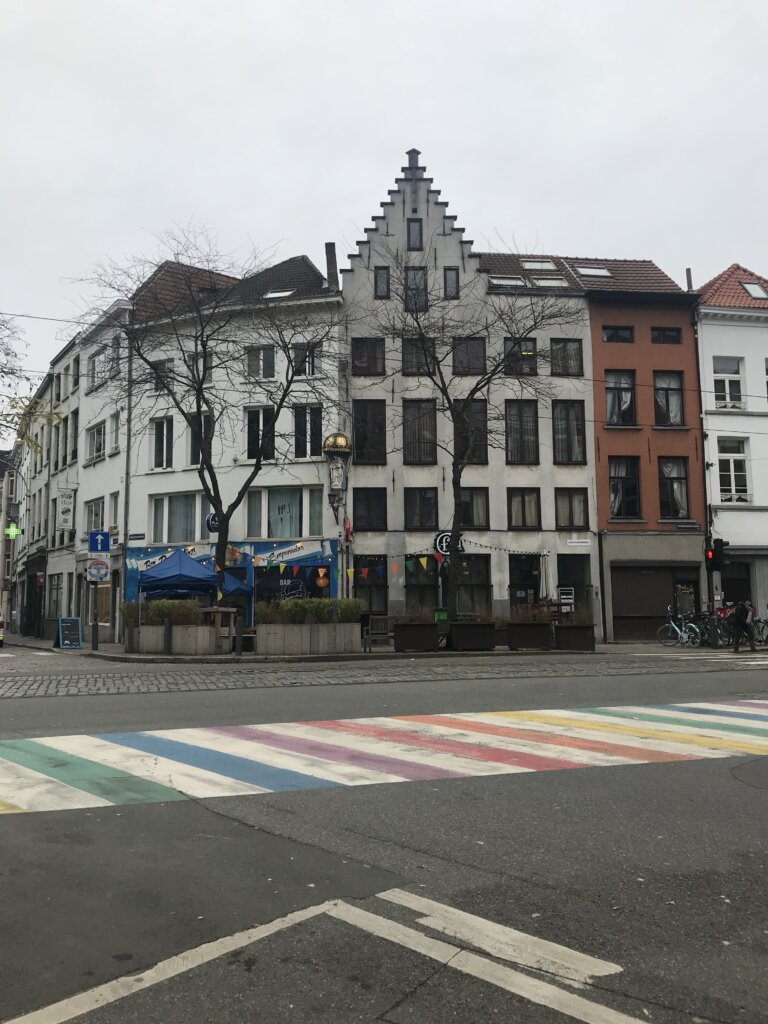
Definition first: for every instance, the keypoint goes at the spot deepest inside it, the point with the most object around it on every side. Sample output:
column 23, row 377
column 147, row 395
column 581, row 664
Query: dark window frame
column 571, row 492
column 629, row 485
column 471, row 371
column 202, row 431
column 620, row 390
column 658, row 335
column 519, row 405
column 408, row 519
column 663, row 411
column 383, row 293
column 371, row 346
column 666, row 489
column 467, row 501
column 522, row 492
column 579, row 405
column 557, row 372
column 416, row 298
column 371, row 510
column 258, row 441
column 615, row 330
column 410, row 367
column 417, row 225
column 478, row 451
column 307, row 431
column 410, row 404
column 451, row 293
column 376, row 452
column 520, row 363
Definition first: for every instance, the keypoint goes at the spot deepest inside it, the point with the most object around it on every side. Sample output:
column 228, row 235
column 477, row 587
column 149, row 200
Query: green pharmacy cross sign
column 12, row 531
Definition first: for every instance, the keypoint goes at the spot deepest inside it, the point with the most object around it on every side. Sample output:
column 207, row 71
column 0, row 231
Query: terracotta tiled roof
column 727, row 289
column 299, row 275
column 624, row 275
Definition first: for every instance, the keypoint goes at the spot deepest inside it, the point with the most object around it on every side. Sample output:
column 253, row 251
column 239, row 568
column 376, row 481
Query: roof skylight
column 550, row 282
column 538, row 265
column 594, row 271
column 507, row 282
column 754, row 289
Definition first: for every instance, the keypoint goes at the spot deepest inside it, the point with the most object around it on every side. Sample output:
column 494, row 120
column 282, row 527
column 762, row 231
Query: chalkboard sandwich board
column 70, row 634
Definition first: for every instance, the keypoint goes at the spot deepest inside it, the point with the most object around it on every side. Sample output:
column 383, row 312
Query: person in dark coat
column 742, row 625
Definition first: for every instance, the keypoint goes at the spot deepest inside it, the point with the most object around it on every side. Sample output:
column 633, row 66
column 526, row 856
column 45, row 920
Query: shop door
column 640, row 598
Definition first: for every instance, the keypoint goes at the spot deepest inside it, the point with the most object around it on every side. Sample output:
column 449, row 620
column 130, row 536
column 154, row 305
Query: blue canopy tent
column 178, row 574
column 234, row 586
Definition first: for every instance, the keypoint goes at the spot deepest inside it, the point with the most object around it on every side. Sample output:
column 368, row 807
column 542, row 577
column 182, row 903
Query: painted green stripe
column 108, row 783
column 704, row 726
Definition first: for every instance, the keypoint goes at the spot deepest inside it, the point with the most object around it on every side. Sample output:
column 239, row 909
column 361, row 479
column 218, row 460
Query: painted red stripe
column 535, row 762
column 596, row 746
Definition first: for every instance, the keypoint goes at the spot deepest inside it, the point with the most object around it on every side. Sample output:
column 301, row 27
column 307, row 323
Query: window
column 673, row 488
column 419, row 432
column 181, row 518
column 756, row 290
column 55, row 587
column 284, row 512
column 468, row 355
column 666, row 336
column 162, row 456
column 260, row 428
column 520, row 357
column 415, row 289
column 96, row 373
column 315, row 511
column 506, row 282
column 94, row 514
column 369, row 431
column 55, row 444
column 308, row 435
column 64, row 440
column 569, row 441
column 451, row 282
column 668, row 398
column 57, row 388
column 566, row 357
column 732, row 469
column 253, row 514
column 472, row 508
column 260, row 361
column 115, row 351
column 418, row 357
column 114, row 508
column 538, row 265
column 158, row 520
column 369, row 508
column 727, row 371
column 96, row 441
column 594, row 271
column 381, row 282
column 75, row 373
column 624, row 487
column 306, row 360
column 620, row 398
column 367, row 357
column 474, row 591
column 371, row 583
column 420, row 508
column 415, row 233
column 200, row 430
column 523, row 508
column 571, row 508
column 75, row 431
column 162, row 370
column 618, row 335
column 470, row 431
column 114, row 433
column 421, row 584
column 522, row 432
column 550, row 282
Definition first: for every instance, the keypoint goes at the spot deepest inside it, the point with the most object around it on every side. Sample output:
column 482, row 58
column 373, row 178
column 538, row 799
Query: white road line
column 112, row 991
column 503, row 942
column 7, row 655
column 44, row 654
column 33, row 791
column 520, row 984
column 196, row 782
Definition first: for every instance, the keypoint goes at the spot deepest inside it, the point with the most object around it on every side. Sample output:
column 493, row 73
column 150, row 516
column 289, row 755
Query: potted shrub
column 188, row 634
column 530, row 627
column 577, row 633
column 472, row 635
column 308, row 626
column 416, row 631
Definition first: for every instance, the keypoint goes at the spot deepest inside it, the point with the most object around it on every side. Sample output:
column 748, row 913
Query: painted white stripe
column 34, row 791
column 7, row 655
column 645, row 742
column 346, row 775
column 44, row 654
column 763, row 713
column 402, row 751
column 715, row 719
column 508, row 743
column 112, row 991
column 503, row 942
column 693, row 725
column 478, row 967
column 194, row 782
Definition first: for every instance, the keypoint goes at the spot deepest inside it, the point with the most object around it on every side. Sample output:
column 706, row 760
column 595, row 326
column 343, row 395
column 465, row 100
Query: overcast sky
column 597, row 128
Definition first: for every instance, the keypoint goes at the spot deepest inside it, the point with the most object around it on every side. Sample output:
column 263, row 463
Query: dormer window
column 415, row 233
column 280, row 293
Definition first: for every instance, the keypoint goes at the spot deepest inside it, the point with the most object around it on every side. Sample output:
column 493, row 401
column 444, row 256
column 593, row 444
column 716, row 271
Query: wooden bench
column 378, row 631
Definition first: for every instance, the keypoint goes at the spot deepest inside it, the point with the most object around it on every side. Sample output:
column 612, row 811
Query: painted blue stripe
column 279, row 780
column 709, row 711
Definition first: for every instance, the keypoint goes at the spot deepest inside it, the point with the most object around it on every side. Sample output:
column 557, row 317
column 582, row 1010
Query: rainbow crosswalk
column 58, row 773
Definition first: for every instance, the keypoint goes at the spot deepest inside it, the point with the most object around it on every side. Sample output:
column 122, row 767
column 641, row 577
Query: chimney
column 413, row 169
column 332, row 270
column 689, row 279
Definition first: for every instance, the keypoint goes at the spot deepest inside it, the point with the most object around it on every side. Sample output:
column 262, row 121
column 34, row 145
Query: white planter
column 321, row 638
column 184, row 640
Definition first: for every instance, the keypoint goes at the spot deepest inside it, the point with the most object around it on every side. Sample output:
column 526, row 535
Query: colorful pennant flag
column 295, row 569
column 308, row 571
column 351, row 573
column 380, row 571
column 282, row 568
column 410, row 565
column 438, row 557
column 321, row 570
column 393, row 567
column 364, row 572
column 423, row 561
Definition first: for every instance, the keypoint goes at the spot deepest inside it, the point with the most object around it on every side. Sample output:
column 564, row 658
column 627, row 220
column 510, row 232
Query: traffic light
column 714, row 554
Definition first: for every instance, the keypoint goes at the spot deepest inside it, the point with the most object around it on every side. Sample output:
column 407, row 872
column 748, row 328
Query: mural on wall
column 275, row 570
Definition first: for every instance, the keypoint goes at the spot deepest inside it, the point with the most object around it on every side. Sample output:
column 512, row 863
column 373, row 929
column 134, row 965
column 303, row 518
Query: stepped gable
column 727, row 289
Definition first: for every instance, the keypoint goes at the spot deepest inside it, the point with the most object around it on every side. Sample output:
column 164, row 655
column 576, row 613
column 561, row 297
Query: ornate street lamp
column 337, row 449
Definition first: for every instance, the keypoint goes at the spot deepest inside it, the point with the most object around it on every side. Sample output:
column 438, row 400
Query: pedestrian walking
column 742, row 625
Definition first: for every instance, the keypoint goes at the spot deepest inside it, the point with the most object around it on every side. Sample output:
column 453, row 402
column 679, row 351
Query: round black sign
column 443, row 543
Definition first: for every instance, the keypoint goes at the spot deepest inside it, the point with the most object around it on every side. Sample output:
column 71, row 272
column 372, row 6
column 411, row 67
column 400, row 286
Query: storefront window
column 371, row 587
column 421, row 585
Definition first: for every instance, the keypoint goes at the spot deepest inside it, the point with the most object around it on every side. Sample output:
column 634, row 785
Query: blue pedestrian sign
column 212, row 522
column 98, row 542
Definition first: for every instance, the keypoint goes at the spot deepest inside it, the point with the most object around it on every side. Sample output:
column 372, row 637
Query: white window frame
column 728, row 380
column 726, row 463
column 94, row 514
column 96, row 453
column 167, row 461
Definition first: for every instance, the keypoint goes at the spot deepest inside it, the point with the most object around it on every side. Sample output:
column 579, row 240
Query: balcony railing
column 735, row 498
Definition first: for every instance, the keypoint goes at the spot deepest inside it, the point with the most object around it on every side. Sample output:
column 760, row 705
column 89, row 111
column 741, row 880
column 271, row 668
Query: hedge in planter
column 415, row 636
column 472, row 636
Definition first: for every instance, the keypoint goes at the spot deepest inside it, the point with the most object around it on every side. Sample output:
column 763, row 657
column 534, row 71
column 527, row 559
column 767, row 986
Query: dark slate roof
column 174, row 287
column 297, row 274
column 625, row 275
column 726, row 290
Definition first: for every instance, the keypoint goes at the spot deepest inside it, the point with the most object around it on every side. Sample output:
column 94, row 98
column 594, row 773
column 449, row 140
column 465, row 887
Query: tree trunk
column 453, row 558
column 222, row 542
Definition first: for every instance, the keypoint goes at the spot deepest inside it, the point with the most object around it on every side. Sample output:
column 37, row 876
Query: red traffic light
column 710, row 554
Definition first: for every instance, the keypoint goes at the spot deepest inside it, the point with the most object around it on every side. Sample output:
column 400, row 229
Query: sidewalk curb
column 249, row 659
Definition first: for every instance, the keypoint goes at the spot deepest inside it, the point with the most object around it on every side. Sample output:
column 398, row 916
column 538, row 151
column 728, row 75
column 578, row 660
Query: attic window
column 550, row 282
column 280, row 294
column 594, row 271
column 538, row 265
column 506, row 282
column 754, row 289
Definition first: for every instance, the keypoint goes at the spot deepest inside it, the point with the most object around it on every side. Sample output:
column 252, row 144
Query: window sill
column 622, row 426
column 625, row 519
column 161, row 469
column 670, row 426
column 677, row 522
column 572, row 529
column 115, row 451
column 94, row 460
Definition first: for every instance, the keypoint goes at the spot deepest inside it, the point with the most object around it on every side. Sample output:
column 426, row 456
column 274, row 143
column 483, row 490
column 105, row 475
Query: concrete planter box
column 535, row 636
column 574, row 638
column 184, row 640
column 415, row 636
column 472, row 636
column 303, row 638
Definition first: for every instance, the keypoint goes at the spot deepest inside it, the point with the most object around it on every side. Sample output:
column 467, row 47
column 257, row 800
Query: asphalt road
column 656, row 871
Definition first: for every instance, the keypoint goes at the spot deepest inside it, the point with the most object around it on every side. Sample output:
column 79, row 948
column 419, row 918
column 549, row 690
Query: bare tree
column 472, row 352
column 15, row 382
column 205, row 337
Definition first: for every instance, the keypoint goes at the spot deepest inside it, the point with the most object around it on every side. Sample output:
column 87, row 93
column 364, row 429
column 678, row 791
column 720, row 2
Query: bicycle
column 670, row 634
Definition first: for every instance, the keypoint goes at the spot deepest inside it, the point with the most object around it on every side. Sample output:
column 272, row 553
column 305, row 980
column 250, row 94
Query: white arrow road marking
column 502, row 942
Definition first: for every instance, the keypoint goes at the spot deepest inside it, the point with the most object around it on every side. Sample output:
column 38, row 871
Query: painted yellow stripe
column 6, row 808
column 630, row 730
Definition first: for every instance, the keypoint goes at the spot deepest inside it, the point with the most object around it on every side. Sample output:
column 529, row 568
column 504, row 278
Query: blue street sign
column 98, row 541
column 212, row 522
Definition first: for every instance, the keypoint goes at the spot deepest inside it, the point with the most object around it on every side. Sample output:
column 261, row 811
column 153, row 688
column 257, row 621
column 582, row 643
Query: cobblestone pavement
column 84, row 677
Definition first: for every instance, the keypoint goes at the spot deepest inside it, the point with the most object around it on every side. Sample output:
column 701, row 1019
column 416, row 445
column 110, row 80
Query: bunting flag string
column 295, row 569
column 350, row 573
column 364, row 572
column 282, row 568
column 321, row 571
